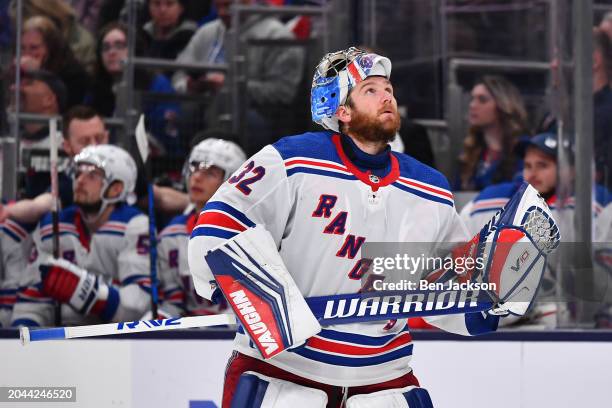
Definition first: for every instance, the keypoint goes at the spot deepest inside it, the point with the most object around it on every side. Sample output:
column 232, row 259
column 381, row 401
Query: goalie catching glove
column 254, row 280
column 514, row 245
column 83, row 291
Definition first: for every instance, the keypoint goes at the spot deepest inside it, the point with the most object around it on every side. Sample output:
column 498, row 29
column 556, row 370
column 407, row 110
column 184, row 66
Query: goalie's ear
column 344, row 114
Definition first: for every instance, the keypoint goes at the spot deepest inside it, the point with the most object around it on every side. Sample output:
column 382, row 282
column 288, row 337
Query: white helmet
column 224, row 154
column 336, row 74
column 117, row 165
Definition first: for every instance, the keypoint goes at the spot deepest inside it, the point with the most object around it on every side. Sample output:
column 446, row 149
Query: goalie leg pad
column 262, row 293
column 407, row 397
column 255, row 390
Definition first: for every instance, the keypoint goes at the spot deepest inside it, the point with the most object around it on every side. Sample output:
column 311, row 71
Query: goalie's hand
column 82, row 290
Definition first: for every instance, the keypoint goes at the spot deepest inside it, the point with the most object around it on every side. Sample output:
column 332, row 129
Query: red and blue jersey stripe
column 8, row 297
column 65, row 228
column 356, row 350
column 14, row 230
column 112, row 228
column 221, row 220
column 327, row 168
column 425, row 190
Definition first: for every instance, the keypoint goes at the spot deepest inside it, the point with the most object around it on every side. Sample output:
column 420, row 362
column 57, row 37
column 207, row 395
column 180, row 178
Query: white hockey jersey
column 479, row 211
column 15, row 245
column 118, row 251
column 320, row 208
column 176, row 283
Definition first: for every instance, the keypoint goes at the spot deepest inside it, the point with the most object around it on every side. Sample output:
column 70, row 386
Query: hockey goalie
column 289, row 227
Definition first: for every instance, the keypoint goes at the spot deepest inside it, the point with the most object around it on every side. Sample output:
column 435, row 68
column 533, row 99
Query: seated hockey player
column 290, row 225
column 539, row 154
column 103, row 271
column 210, row 163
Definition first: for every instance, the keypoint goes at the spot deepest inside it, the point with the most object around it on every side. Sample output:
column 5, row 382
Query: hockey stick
column 338, row 309
column 59, row 333
column 143, row 150
column 54, row 203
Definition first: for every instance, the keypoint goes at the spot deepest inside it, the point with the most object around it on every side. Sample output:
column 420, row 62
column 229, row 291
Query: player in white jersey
column 210, row 163
column 320, row 196
column 15, row 245
column 539, row 154
column 103, row 273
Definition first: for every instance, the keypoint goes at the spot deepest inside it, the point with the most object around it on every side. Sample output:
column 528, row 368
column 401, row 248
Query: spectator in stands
column 87, row 12
column 161, row 117
column 497, row 118
column 606, row 24
column 82, row 127
column 168, row 31
column 118, row 10
column 210, row 163
column 80, row 41
column 274, row 72
column 43, row 93
column 602, row 107
column 43, row 47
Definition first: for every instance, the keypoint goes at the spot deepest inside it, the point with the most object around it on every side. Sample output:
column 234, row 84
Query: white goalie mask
column 117, row 165
column 226, row 155
column 336, row 74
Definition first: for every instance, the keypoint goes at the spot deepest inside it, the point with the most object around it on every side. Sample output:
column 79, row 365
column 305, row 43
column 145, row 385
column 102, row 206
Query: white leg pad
column 407, row 397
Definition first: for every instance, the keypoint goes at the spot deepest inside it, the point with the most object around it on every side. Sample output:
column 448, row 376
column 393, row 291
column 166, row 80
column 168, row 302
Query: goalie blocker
column 262, row 293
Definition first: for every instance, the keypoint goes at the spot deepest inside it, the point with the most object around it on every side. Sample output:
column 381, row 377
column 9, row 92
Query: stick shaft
column 54, row 184
column 55, row 204
column 337, row 309
column 138, row 326
column 152, row 249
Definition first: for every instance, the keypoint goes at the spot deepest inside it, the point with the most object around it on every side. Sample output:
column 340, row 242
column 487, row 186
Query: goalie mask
column 336, row 74
column 226, row 155
column 117, row 165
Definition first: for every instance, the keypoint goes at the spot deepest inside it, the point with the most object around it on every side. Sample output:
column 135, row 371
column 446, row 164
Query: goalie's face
column 540, row 170
column 370, row 113
column 203, row 182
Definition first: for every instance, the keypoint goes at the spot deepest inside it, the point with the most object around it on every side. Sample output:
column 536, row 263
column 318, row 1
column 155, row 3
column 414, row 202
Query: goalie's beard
column 369, row 128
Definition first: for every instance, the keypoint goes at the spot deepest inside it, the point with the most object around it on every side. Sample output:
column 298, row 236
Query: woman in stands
column 44, row 48
column 497, row 119
column 80, row 41
column 111, row 54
